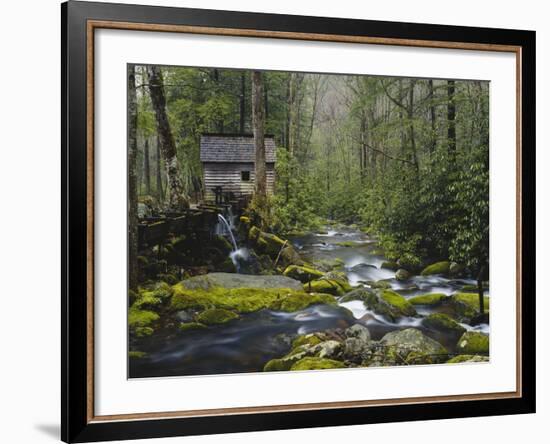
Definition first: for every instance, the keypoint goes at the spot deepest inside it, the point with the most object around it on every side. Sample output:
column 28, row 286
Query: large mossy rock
column 302, row 273
column 243, row 293
column 428, row 299
column 444, row 323
column 402, row 275
column 472, row 343
column 359, row 294
column 314, row 363
column 335, row 287
column 266, row 242
column 466, row 305
column 437, row 268
column 233, row 280
column 290, row 256
column 411, row 346
column 388, row 303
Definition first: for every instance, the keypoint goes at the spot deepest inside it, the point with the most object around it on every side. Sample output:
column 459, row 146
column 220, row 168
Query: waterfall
column 238, row 255
column 224, row 222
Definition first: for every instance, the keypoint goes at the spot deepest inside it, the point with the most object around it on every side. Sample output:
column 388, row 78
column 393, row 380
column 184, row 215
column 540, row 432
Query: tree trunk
column 401, row 119
column 242, row 103
column 178, row 198
column 147, row 167
column 132, row 182
column 410, row 115
column 291, row 113
column 432, row 115
column 260, row 185
column 160, row 189
column 451, row 114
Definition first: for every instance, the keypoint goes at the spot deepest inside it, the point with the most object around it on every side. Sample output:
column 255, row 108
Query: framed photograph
column 276, row 221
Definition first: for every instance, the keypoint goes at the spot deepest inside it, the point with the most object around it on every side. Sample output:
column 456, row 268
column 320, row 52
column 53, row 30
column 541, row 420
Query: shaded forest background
column 407, row 160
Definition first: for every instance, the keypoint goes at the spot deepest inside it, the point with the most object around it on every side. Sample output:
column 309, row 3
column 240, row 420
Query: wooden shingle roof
column 233, row 148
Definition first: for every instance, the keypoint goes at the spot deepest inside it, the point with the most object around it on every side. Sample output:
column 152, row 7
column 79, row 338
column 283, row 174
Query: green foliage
column 296, row 200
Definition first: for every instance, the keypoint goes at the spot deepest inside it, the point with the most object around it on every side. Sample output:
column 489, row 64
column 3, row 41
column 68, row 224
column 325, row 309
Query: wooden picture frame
column 79, row 22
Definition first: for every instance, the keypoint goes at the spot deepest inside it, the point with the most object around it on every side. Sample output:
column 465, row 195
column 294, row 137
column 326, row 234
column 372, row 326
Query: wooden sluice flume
column 200, row 219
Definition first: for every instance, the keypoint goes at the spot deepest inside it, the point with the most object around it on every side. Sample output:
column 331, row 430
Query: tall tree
column 178, row 198
column 242, row 98
column 160, row 189
column 132, row 181
column 258, row 122
column 433, row 140
column 451, row 115
column 147, row 167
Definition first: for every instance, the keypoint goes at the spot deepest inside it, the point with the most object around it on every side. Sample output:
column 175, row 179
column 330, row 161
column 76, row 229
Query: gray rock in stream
column 233, row 280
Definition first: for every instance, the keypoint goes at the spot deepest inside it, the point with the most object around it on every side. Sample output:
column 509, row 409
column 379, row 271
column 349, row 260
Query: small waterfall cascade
column 237, row 254
column 225, row 223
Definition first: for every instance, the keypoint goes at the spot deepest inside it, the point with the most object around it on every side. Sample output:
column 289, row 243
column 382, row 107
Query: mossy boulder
column 187, row 326
column 472, row 343
column 455, row 269
column 215, row 316
column 383, row 284
column 466, row 305
column 389, row 304
column 286, row 362
column 141, row 318
column 335, row 287
column 444, row 323
column 290, row 256
column 467, row 358
column 411, row 346
column 390, row 265
column 202, row 293
column 302, row 273
column 428, row 299
column 266, row 242
column 153, row 296
column 441, row 267
column 295, row 301
column 359, row 294
column 308, row 340
column 314, row 363
column 402, row 275
column 278, row 365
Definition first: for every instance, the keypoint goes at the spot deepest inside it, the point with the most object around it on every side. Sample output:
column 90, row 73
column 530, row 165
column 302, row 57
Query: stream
column 247, row 344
